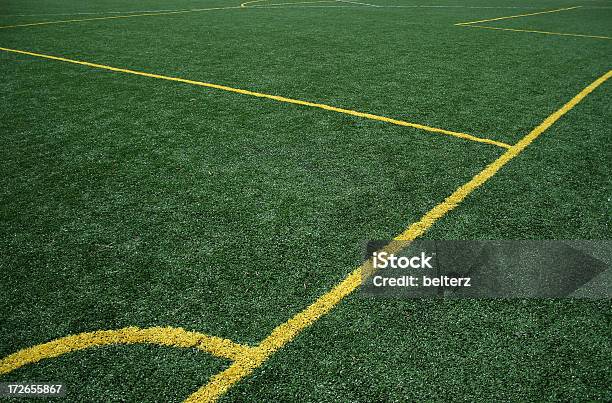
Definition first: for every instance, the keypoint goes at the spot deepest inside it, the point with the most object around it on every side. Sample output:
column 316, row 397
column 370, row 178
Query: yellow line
column 537, row 32
column 116, row 17
column 164, row 336
column 286, row 332
column 518, row 15
column 269, row 96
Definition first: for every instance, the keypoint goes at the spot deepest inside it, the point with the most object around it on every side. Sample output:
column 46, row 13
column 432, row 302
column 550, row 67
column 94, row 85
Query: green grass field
column 136, row 201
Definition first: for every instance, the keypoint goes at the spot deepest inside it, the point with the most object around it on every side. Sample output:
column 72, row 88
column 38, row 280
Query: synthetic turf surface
column 129, row 201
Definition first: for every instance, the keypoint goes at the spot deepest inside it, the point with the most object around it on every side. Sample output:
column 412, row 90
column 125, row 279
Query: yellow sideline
column 286, row 332
column 151, row 13
column 164, row 336
column 370, row 116
column 518, row 15
column 114, row 17
column 533, row 31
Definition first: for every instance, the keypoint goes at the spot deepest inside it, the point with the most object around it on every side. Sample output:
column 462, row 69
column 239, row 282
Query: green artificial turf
column 132, row 201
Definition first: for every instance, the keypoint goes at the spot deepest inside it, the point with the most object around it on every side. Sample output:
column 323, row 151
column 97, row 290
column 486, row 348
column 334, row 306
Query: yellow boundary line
column 370, row 116
column 154, row 13
column 114, row 17
column 537, row 32
column 518, row 16
column 286, row 332
column 163, row 336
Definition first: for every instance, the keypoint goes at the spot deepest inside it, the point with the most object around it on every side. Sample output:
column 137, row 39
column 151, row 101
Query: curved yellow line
column 164, row 336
